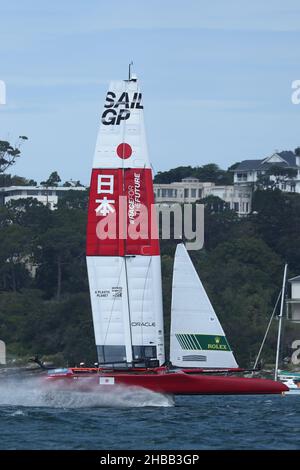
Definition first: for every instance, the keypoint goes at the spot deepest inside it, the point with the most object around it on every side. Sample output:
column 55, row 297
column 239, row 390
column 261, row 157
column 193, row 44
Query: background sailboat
column 289, row 311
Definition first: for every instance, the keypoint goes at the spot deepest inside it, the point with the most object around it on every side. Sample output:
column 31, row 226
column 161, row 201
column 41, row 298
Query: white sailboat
column 289, row 378
column 125, row 276
column 197, row 337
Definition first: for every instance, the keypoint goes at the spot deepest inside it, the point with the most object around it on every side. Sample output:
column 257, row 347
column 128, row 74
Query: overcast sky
column 216, row 77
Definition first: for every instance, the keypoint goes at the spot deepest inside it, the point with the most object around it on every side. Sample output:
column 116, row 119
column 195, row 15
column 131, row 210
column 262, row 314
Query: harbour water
column 32, row 417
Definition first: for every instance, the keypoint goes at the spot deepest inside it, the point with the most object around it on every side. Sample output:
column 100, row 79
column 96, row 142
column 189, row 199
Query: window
column 111, row 354
column 186, row 192
column 163, row 193
column 46, row 193
column 236, row 206
column 241, row 176
column 15, row 193
column 193, row 192
column 144, row 352
column 199, row 193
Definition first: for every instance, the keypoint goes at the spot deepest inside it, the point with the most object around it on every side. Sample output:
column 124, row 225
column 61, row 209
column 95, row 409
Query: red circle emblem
column 124, row 151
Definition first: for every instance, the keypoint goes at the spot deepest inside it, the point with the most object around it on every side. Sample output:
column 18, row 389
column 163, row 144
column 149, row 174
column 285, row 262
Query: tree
column 74, row 200
column 281, row 174
column 277, row 221
column 215, row 204
column 175, row 174
column 8, row 153
column 234, row 166
column 29, row 213
column 53, row 180
column 210, row 172
column 14, row 249
column 264, row 182
column 60, row 250
column 8, row 180
column 275, row 176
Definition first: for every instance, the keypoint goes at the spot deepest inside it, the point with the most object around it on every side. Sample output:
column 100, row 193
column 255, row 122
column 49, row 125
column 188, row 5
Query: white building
column 48, row 196
column 249, row 172
column 190, row 190
column 294, row 301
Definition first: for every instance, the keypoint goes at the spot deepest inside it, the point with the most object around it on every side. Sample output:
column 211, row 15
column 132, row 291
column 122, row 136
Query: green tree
column 9, row 153
column 74, row 200
column 277, row 220
column 8, row 180
column 53, row 180
column 14, row 249
column 214, row 204
column 60, row 248
column 297, row 151
column 206, row 173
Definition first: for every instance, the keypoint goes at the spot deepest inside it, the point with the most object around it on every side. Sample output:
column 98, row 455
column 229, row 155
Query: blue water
column 34, row 418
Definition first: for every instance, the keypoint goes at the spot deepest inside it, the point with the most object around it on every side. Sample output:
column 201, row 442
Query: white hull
column 293, row 392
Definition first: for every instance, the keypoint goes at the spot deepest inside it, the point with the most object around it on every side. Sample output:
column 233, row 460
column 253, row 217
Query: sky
column 216, row 77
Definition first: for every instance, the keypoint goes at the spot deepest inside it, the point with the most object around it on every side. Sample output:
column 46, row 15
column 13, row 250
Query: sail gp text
column 118, row 109
column 150, row 459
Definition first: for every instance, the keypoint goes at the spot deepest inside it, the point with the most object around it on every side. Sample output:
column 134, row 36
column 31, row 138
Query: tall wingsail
column 123, row 255
column 197, row 338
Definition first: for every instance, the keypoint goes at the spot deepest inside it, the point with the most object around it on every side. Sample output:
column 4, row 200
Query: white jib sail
column 197, row 338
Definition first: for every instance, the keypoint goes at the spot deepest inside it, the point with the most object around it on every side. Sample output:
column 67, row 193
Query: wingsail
column 123, row 255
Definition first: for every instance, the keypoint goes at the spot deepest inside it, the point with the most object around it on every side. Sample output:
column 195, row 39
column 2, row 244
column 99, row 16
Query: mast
column 129, row 70
column 266, row 333
column 128, row 332
column 280, row 321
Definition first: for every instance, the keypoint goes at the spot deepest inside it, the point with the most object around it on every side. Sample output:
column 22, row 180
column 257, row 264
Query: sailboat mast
column 128, row 331
column 280, row 322
column 266, row 333
column 128, row 343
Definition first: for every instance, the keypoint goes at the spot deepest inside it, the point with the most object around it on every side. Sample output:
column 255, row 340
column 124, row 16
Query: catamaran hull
column 177, row 383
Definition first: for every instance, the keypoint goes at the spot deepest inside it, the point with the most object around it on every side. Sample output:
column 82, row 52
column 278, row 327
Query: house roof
column 289, row 162
column 288, row 156
column 248, row 165
column 294, row 279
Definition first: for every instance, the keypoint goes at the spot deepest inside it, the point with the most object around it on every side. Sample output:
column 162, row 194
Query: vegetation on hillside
column 44, row 296
column 210, row 172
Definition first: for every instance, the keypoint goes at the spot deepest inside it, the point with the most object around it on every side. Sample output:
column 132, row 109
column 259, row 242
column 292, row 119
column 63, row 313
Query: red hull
column 175, row 383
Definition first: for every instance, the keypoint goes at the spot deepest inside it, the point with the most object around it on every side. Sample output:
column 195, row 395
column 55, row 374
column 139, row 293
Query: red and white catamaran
column 123, row 259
